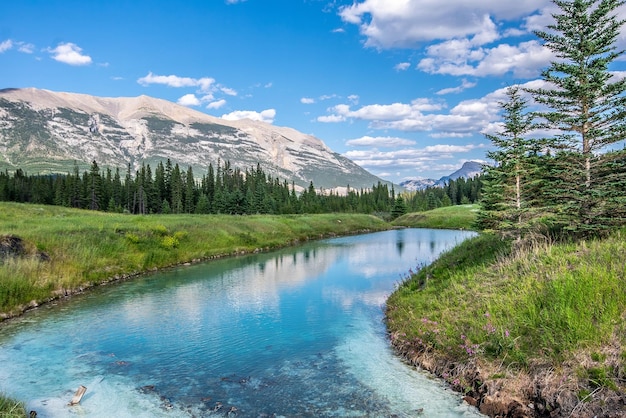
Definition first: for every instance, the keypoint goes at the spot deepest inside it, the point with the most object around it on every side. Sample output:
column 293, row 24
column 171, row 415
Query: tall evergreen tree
column 95, row 186
column 506, row 204
column 586, row 102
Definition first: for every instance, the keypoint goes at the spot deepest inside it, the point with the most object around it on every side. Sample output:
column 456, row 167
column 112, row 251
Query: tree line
column 223, row 189
column 571, row 183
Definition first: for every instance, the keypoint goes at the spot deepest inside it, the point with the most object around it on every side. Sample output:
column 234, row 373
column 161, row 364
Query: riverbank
column 50, row 252
column 536, row 332
column 448, row 217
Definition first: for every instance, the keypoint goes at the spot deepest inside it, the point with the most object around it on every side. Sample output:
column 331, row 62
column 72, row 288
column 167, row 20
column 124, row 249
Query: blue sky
column 405, row 88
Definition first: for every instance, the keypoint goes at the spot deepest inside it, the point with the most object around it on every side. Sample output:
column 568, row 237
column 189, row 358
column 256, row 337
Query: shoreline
column 66, row 293
column 455, row 318
column 544, row 392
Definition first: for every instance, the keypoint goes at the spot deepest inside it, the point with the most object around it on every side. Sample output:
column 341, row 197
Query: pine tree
column 399, row 207
column 506, row 204
column 95, row 186
column 587, row 103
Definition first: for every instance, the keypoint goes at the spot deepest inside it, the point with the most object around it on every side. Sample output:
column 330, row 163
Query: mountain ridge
column 46, row 131
column 468, row 170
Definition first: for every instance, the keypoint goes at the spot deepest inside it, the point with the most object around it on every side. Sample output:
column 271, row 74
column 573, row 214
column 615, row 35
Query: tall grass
column 84, row 248
column 449, row 217
column 10, row 408
column 545, row 302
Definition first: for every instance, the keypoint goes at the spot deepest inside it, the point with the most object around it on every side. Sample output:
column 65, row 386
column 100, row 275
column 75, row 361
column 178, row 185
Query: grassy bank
column 63, row 249
column 545, row 325
column 450, row 217
column 10, row 408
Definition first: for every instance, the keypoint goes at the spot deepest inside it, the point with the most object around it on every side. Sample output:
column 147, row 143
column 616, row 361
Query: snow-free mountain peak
column 44, row 131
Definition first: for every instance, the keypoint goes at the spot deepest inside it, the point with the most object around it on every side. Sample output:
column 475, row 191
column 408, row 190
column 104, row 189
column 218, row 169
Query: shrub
column 169, row 242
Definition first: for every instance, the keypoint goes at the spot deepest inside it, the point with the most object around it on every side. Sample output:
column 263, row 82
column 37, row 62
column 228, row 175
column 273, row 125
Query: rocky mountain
column 468, row 170
column 43, row 131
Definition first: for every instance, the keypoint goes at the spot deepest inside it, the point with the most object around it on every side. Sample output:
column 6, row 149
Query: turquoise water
column 297, row 332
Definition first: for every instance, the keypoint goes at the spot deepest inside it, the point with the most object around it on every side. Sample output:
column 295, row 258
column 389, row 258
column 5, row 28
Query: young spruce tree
column 586, row 103
column 507, row 203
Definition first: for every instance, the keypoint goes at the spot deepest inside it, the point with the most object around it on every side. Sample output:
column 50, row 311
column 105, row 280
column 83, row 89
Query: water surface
column 297, row 332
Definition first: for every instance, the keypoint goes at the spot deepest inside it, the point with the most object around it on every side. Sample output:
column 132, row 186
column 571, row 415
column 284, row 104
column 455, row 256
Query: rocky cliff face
column 43, row 131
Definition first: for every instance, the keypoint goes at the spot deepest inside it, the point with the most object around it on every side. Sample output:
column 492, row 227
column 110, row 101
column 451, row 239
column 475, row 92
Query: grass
column 10, row 408
column 544, row 305
column 84, row 248
column 450, row 217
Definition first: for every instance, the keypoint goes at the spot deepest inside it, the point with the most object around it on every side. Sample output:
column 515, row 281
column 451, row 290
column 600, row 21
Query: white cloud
column 465, row 119
column 26, row 48
column 464, row 86
column 189, row 100
column 307, row 100
column 216, row 104
column 428, row 158
column 204, row 83
column 331, row 119
column 402, row 66
column 380, row 113
column 70, row 53
column 464, row 33
column 266, row 115
column 228, row 91
column 23, row 47
column 6, row 45
column 379, row 141
column 389, row 24
column 458, row 58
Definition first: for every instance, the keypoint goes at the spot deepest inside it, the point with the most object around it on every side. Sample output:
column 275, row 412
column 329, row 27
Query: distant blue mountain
column 469, row 169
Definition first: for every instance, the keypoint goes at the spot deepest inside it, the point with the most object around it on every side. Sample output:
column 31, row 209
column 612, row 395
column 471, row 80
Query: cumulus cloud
column 414, row 159
column 266, row 115
column 402, row 66
column 379, row 113
column 464, row 86
column 204, row 84
column 462, row 38
column 390, row 24
column 379, row 141
column 331, row 118
column 307, row 100
column 216, row 104
column 189, row 100
column 206, row 88
column 467, row 118
column 69, row 53
column 459, row 58
column 228, row 91
column 6, row 45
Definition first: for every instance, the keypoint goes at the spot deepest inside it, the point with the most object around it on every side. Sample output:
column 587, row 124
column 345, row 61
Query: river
column 295, row 332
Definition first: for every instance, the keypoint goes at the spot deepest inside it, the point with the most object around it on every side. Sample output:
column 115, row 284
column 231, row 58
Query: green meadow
column 65, row 250
column 447, row 217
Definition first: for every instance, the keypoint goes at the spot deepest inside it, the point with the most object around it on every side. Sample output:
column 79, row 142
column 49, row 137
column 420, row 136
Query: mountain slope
column 43, row 131
column 468, row 170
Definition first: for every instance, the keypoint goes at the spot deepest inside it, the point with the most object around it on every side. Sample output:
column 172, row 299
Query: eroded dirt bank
column 542, row 391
